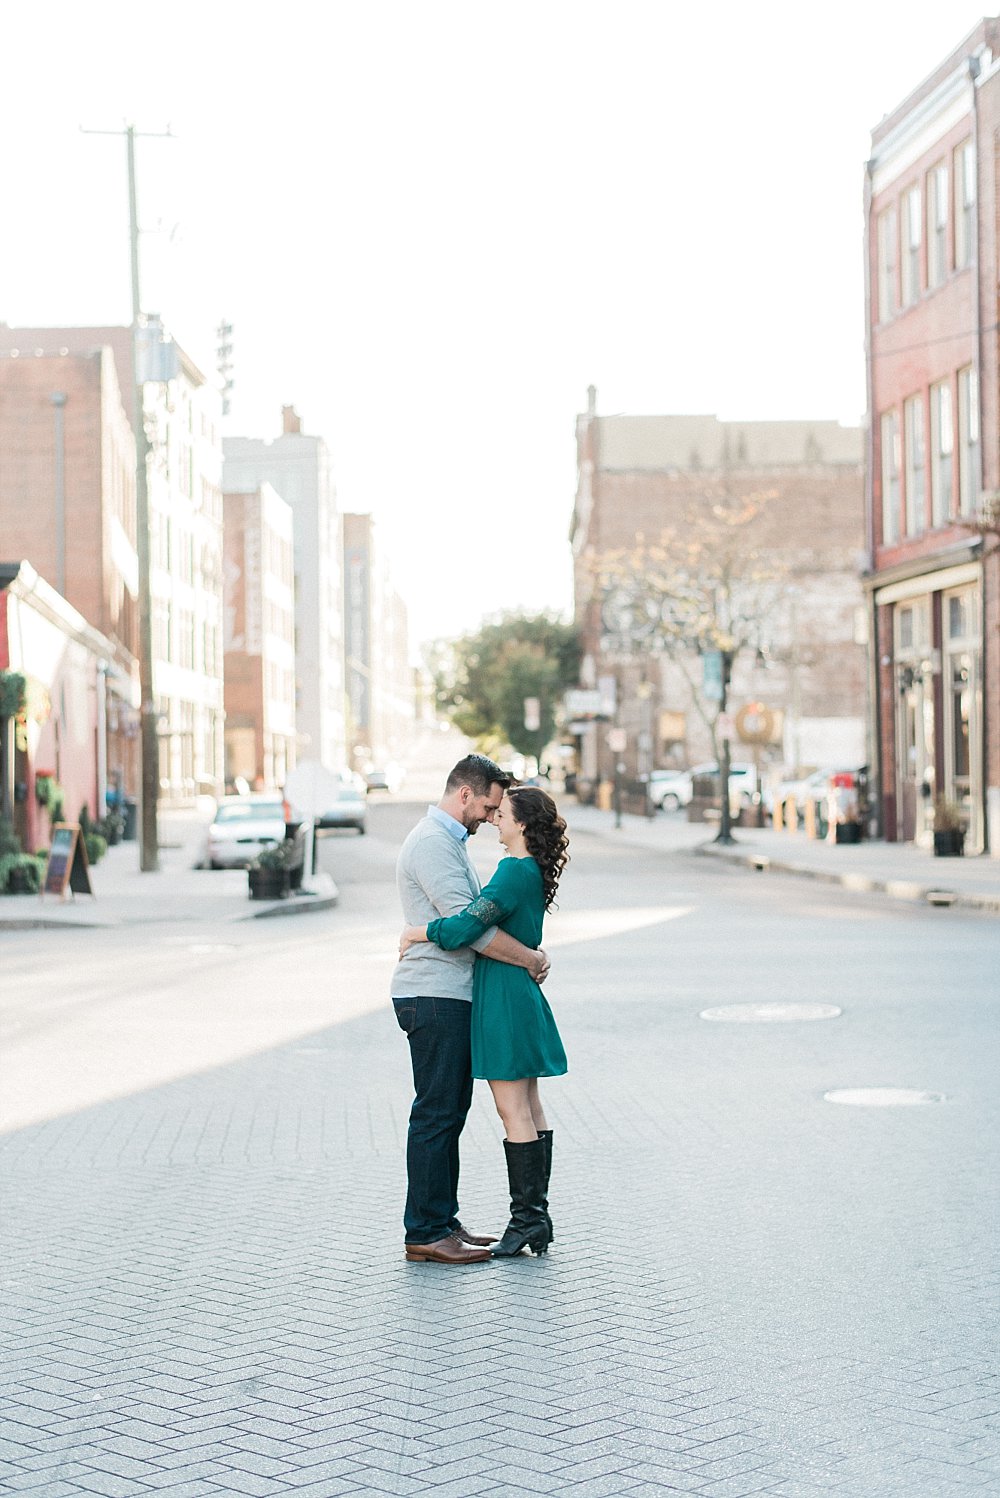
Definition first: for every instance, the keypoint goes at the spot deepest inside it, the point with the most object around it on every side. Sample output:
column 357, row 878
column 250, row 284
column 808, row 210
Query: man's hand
column 539, row 969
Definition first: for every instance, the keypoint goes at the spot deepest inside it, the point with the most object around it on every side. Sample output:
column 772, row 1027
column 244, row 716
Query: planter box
column 268, row 884
column 949, row 843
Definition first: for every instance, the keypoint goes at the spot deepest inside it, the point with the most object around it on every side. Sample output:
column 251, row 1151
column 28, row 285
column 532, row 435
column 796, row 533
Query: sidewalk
column 900, row 870
column 177, row 892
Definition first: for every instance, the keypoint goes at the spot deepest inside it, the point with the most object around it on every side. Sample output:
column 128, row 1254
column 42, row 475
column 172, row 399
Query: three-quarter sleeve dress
column 513, row 1032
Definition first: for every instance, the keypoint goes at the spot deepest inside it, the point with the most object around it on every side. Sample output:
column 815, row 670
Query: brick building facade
column 67, row 508
column 182, row 411
column 932, row 363
column 642, row 477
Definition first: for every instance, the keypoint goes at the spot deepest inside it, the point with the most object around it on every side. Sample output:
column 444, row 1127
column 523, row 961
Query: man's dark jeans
column 438, row 1032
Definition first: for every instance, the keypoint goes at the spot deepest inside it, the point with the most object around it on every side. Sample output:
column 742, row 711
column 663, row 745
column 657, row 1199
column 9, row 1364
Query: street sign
column 582, row 702
column 711, row 675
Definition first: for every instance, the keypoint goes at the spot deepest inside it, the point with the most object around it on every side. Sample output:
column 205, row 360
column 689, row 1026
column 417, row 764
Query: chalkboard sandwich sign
column 67, row 868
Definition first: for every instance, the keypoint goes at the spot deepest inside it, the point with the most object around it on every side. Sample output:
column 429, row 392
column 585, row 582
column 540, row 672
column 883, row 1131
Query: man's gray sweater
column 435, row 877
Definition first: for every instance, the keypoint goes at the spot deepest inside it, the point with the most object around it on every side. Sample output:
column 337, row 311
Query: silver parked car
column 242, row 827
column 349, row 806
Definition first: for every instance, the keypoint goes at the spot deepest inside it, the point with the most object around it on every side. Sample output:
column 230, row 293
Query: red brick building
column 931, row 240
column 67, row 506
column 641, row 479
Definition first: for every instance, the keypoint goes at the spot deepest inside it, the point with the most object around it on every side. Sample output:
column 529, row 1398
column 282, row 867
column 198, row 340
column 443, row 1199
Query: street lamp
column 725, row 833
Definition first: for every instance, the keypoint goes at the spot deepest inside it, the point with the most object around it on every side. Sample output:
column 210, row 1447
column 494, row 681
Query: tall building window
column 965, row 204
column 968, row 441
column 912, row 236
column 890, row 477
column 942, row 452
column 916, row 461
column 937, row 224
column 886, row 264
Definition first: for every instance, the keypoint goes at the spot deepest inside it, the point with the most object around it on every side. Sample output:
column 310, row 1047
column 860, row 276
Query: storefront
column 931, row 702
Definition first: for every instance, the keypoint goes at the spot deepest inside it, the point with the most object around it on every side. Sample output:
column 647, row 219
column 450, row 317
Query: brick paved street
column 752, row 1290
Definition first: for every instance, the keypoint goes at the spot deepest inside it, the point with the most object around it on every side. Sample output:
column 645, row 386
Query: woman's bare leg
column 514, row 1107
column 535, row 1104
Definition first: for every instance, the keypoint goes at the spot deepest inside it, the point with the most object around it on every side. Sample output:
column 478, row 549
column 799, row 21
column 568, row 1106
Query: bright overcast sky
column 434, row 224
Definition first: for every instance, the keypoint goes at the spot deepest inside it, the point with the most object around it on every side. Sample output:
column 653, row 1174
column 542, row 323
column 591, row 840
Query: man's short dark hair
column 478, row 773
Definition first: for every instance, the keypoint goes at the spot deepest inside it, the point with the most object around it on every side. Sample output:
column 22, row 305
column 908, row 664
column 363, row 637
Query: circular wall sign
column 755, row 723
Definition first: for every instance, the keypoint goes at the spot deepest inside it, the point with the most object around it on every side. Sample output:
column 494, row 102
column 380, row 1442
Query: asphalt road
column 753, row 1289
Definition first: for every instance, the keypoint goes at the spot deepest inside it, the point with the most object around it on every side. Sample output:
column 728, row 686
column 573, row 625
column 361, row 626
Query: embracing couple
column 466, row 993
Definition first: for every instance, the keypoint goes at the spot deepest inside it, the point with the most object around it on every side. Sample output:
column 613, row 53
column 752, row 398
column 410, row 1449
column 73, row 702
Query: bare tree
column 708, row 582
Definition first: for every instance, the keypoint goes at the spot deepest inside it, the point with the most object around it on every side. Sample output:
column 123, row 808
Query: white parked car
column 242, row 827
column 742, row 782
column 669, row 789
column 347, row 807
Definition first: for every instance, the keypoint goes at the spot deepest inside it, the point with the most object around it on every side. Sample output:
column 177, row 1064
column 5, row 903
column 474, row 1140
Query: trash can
column 130, row 811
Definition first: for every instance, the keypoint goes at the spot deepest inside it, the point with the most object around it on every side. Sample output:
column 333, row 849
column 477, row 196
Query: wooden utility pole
column 149, row 850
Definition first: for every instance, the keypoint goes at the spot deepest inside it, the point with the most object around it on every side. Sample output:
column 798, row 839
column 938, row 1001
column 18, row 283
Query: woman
column 514, row 1037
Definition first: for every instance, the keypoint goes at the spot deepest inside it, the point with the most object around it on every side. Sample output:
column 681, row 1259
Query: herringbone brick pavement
column 752, row 1291
column 206, row 1295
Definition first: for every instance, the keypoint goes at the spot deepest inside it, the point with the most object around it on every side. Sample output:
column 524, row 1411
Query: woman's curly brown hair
column 544, row 834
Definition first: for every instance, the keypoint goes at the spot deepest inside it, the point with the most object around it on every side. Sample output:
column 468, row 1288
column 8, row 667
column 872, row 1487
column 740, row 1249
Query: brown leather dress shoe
column 446, row 1251
column 477, row 1240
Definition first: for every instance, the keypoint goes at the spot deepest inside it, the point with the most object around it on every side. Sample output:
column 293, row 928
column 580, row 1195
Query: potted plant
column 20, row 874
column 268, row 873
column 949, row 829
column 112, row 827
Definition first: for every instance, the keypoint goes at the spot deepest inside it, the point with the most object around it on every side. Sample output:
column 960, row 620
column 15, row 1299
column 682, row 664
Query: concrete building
column 182, row 415
column 646, row 483
column 931, row 209
column 381, row 686
column 67, row 506
column 298, row 467
column 259, row 638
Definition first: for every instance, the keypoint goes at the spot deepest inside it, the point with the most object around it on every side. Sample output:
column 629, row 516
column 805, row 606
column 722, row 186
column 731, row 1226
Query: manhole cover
column 882, row 1097
column 768, row 1014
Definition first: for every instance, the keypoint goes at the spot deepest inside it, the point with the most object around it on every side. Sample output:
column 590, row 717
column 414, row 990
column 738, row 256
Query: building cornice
column 922, row 567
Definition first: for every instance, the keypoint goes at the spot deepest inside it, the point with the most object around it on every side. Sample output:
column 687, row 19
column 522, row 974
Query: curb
column 324, row 897
column 896, row 889
column 310, row 900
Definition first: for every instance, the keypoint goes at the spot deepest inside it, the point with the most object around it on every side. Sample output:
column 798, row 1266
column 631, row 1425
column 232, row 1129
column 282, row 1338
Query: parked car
column 670, row 789
column 388, row 779
column 843, row 785
column 242, row 827
column 742, row 782
column 349, row 807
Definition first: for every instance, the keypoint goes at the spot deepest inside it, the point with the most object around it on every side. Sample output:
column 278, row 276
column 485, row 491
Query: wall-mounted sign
column 755, row 724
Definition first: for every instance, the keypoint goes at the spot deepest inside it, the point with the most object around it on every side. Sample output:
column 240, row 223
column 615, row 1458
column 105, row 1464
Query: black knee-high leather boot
column 545, row 1135
column 527, row 1227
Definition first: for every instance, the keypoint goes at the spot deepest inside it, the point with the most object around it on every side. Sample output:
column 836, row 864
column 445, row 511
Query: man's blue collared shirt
column 458, row 832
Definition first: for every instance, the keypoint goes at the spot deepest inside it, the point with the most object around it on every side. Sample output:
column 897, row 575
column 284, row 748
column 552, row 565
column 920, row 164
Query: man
column 432, row 997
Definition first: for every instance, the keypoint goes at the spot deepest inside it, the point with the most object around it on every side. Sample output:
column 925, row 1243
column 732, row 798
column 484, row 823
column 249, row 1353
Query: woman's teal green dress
column 513, row 1032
